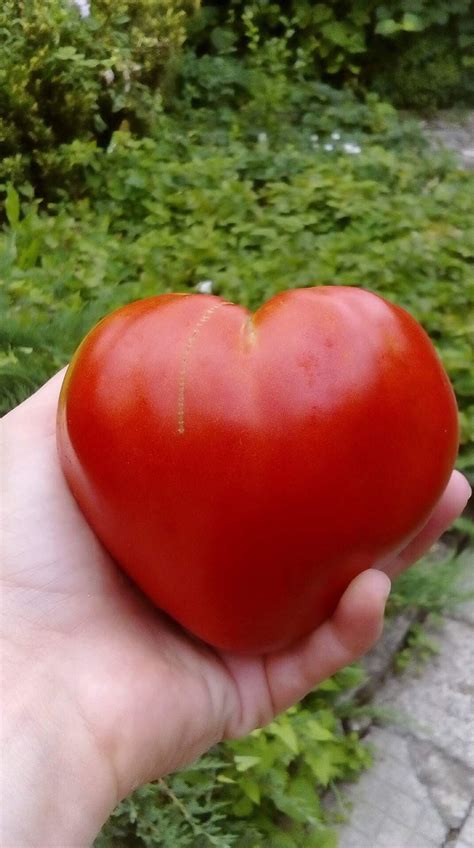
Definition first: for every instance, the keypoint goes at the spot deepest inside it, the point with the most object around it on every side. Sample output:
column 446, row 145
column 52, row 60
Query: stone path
column 454, row 132
column 420, row 791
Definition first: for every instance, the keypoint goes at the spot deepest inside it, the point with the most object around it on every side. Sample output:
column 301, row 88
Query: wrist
column 59, row 789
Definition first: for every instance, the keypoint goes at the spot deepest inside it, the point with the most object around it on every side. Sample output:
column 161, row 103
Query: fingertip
column 358, row 618
column 381, row 587
column 461, row 486
column 371, row 586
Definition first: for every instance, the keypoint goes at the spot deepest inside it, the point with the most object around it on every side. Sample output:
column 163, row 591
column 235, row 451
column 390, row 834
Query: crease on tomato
column 249, row 331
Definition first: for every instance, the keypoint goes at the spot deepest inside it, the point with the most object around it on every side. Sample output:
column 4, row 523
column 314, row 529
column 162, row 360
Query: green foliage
column 431, row 587
column 255, row 215
column 465, row 526
column 426, row 46
column 265, row 789
column 65, row 77
column 428, row 74
column 68, row 80
column 420, row 646
column 186, row 809
column 269, row 101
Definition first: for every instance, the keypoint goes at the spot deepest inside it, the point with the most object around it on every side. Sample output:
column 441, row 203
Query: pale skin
column 101, row 692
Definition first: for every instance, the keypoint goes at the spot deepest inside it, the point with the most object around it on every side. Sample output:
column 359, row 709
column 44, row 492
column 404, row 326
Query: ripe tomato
column 241, row 468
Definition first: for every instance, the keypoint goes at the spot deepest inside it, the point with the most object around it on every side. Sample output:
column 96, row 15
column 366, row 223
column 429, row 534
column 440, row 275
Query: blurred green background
column 147, row 146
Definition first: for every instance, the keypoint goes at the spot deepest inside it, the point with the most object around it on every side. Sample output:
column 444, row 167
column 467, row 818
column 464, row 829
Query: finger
column 353, row 628
column 449, row 507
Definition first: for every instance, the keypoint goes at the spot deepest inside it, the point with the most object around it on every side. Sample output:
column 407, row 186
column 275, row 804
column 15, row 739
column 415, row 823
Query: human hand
column 103, row 692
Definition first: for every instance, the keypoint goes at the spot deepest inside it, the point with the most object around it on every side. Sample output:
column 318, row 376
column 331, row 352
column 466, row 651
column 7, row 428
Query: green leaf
column 251, row 789
column 243, row 763
column 223, row 39
column 412, row 23
column 243, row 807
column 12, row 206
column 329, row 685
column 66, row 53
column 321, row 12
column 318, row 732
column 303, row 791
column 387, row 27
column 323, row 766
column 336, row 32
column 321, row 838
column 287, row 735
column 280, row 839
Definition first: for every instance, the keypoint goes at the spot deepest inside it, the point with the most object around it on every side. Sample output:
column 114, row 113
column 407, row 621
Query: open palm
column 151, row 697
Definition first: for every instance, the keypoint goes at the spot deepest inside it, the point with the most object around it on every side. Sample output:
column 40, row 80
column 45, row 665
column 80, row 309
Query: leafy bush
column 427, row 74
column 68, row 79
column 64, row 76
column 269, row 101
column 350, row 41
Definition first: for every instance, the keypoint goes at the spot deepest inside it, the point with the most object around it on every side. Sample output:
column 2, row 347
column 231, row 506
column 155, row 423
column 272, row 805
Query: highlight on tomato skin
column 242, row 469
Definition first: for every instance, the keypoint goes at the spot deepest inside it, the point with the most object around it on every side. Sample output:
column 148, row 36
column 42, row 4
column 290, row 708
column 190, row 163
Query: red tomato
column 242, row 469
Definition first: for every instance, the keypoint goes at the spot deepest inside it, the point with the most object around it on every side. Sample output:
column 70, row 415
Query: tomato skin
column 243, row 469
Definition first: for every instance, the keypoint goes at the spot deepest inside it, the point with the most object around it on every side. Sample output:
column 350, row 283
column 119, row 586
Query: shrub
column 66, row 77
column 259, row 96
column 352, row 42
column 427, row 74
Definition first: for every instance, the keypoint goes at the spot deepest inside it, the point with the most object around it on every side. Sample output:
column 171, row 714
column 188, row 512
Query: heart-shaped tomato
column 241, row 468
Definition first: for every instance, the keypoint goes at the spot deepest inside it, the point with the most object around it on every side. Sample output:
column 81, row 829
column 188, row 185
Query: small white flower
column 84, row 7
column 329, row 147
column 108, row 76
column 352, row 148
column 262, row 138
column 335, row 136
column 314, row 138
column 205, row 287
